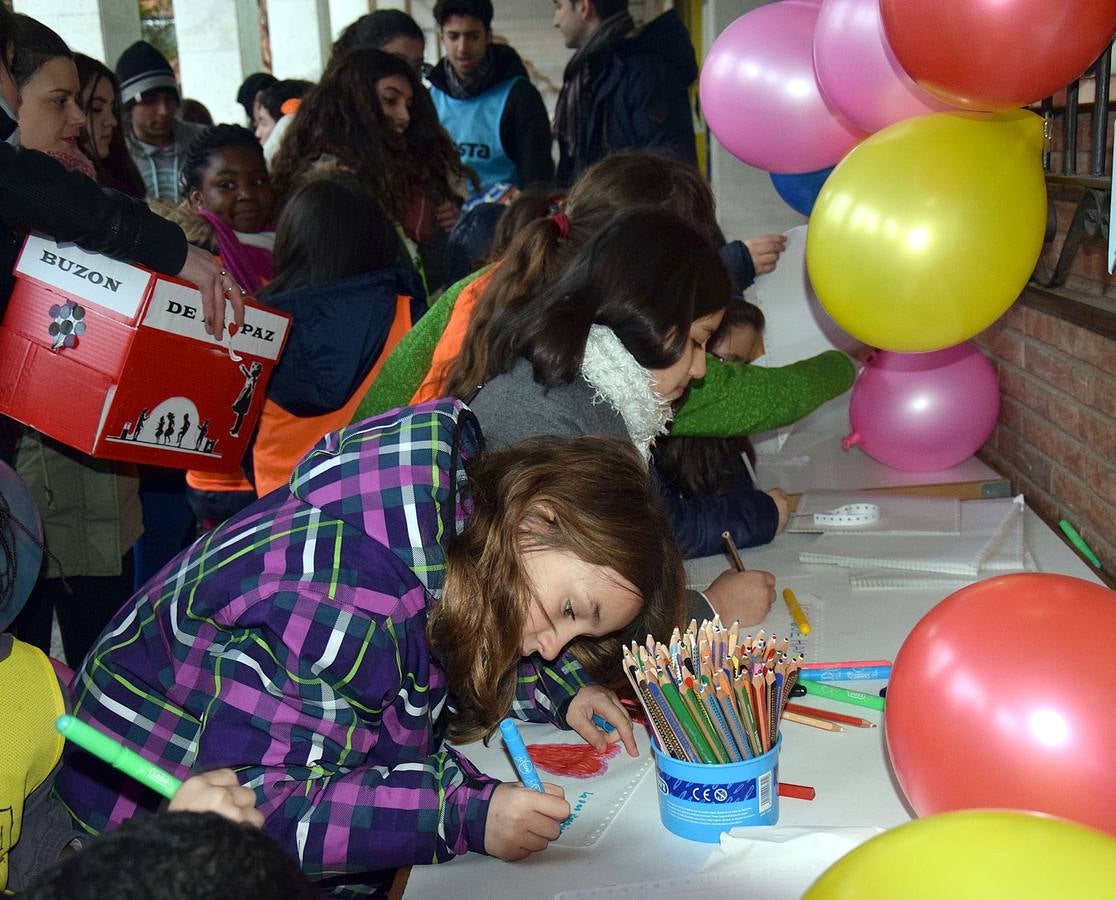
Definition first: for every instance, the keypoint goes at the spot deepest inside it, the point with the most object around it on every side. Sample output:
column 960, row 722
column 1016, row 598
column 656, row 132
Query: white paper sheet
column 596, row 795
column 772, row 863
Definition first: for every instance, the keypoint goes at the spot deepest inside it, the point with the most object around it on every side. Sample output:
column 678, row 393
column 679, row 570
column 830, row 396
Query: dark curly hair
column 214, row 138
column 444, row 10
column 376, row 29
column 341, row 120
column 180, row 855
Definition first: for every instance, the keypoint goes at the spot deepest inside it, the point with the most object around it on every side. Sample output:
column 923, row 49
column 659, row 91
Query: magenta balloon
column 923, row 412
column 761, row 99
column 858, row 72
column 984, row 712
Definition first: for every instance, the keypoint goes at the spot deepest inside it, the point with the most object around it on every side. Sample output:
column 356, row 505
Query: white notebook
column 985, row 526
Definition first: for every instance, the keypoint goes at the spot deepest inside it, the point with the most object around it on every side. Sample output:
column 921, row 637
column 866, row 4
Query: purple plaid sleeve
column 544, row 690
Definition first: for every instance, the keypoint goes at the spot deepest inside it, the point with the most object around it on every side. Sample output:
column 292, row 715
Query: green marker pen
column 856, row 698
column 1079, row 542
column 117, row 755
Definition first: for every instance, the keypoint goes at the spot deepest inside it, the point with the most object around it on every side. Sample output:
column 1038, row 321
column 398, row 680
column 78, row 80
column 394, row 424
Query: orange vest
column 452, row 340
column 284, row 438
column 218, row 481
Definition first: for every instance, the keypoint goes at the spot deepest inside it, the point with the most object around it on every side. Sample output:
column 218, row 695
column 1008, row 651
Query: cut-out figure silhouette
column 185, row 427
column 140, row 422
column 243, row 402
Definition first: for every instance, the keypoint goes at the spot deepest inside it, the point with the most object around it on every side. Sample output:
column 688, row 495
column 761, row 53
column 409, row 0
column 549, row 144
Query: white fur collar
column 625, row 385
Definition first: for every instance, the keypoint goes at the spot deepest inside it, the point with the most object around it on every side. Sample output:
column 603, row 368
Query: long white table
column 849, row 770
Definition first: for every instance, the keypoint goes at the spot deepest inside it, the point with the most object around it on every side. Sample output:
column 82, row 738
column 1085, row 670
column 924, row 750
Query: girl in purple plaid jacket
column 407, row 589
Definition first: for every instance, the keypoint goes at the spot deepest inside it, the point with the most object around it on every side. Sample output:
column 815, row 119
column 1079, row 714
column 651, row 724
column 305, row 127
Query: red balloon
column 997, row 54
column 1001, row 698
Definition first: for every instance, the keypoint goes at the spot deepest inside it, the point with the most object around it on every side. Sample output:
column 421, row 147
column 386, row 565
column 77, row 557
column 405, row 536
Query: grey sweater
column 513, row 407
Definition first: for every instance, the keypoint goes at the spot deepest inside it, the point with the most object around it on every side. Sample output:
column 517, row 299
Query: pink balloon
column 858, row 72
column 761, row 99
column 923, row 412
column 985, row 709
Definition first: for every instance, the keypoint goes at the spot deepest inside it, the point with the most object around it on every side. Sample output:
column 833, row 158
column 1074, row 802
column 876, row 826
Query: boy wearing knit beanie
column 156, row 140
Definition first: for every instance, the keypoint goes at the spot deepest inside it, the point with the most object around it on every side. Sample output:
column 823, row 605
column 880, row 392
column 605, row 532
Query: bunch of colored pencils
column 713, row 695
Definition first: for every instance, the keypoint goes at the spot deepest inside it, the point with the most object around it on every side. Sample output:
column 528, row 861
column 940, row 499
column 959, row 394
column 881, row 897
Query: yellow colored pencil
column 796, row 611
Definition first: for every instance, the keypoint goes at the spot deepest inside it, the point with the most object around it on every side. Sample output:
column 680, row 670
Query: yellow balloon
column 974, row 855
column 928, row 230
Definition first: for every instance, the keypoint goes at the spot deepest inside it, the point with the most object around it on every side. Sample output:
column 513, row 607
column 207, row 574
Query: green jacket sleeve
column 737, row 398
column 406, row 366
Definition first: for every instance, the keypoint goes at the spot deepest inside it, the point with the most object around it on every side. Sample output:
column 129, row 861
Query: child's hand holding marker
column 594, row 705
column 523, row 820
column 217, row 791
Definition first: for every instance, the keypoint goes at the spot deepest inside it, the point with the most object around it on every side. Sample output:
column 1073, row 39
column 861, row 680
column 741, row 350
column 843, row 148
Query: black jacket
column 639, row 98
column 524, row 126
column 39, row 194
column 698, row 520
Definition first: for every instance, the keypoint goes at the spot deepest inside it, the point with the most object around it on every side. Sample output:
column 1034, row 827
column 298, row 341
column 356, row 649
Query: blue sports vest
column 474, row 125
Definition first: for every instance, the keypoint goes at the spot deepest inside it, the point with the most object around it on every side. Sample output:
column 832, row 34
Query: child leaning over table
column 405, row 589
column 717, row 469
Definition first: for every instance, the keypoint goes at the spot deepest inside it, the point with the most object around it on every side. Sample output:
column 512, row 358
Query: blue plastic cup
column 699, row 802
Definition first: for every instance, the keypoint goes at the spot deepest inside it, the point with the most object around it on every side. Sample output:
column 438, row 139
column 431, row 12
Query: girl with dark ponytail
column 607, row 348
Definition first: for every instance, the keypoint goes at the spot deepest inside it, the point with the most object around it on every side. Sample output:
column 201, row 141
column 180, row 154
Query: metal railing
column 1091, row 217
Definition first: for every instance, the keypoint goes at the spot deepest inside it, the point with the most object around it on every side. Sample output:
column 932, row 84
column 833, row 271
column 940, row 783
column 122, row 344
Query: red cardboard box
column 114, row 359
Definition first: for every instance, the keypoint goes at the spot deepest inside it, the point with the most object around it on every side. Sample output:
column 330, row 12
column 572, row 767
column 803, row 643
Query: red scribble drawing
column 572, row 760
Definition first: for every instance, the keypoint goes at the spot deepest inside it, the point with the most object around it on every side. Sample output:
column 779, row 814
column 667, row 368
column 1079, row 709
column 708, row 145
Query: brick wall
column 1056, row 438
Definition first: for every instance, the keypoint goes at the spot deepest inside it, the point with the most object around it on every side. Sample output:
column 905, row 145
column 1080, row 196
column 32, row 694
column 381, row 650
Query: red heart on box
column 572, row 760
column 233, row 329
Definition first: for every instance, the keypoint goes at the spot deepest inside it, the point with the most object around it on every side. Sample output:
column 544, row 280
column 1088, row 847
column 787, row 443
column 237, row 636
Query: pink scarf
column 75, row 161
column 250, row 266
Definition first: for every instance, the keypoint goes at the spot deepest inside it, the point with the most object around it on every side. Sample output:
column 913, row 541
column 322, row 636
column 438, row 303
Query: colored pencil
column 831, row 716
column 823, row 724
column 714, row 696
column 734, row 555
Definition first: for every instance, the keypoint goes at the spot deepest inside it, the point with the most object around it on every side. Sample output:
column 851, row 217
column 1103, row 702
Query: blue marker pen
column 847, row 673
column 520, row 757
column 602, row 723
